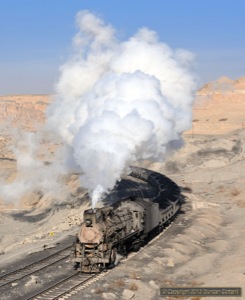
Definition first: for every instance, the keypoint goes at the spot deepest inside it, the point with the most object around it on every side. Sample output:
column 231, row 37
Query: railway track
column 65, row 287
column 74, row 283
column 65, row 284
column 53, row 290
column 33, row 268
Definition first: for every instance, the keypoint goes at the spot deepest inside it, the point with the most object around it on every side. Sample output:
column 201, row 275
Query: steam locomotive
column 126, row 225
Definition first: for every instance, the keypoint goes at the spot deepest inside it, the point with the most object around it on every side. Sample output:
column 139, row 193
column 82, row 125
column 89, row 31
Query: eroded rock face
column 20, row 112
column 219, row 107
column 23, row 111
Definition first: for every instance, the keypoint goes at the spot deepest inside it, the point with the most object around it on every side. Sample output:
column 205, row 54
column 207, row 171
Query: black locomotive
column 127, row 224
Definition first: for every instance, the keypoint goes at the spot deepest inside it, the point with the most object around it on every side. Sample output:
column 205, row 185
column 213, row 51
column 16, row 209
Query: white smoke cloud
column 120, row 102
column 38, row 171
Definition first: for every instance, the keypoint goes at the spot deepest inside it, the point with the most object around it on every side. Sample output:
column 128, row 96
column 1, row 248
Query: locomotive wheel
column 136, row 247
column 123, row 250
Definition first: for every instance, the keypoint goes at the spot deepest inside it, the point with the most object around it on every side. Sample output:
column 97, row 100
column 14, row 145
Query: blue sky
column 35, row 35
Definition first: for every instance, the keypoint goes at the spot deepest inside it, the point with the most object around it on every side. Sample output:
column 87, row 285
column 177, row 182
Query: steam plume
column 33, row 173
column 120, row 102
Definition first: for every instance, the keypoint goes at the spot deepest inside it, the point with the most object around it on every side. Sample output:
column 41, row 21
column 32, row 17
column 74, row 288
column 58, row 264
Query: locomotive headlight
column 88, row 222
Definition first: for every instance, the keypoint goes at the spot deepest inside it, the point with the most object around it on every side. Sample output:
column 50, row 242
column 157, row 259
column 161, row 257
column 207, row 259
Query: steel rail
column 55, row 291
column 18, row 274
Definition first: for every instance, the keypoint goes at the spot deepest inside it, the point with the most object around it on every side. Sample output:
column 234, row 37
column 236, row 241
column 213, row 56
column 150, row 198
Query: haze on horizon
column 36, row 36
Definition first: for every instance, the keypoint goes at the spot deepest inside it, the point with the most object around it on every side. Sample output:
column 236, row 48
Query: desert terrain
column 204, row 247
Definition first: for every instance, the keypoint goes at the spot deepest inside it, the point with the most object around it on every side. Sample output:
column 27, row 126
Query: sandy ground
column 208, row 251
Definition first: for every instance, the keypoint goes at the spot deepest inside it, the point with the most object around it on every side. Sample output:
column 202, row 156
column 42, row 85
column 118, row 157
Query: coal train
column 127, row 224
